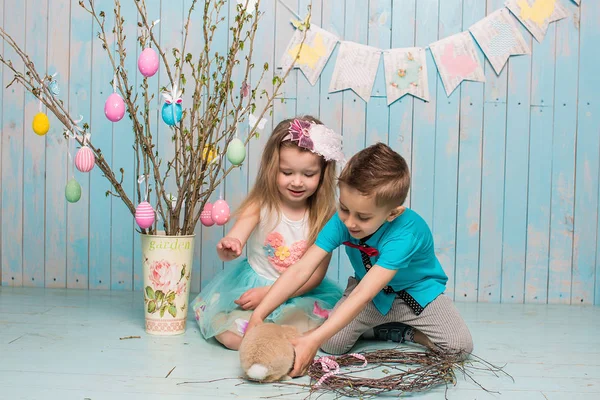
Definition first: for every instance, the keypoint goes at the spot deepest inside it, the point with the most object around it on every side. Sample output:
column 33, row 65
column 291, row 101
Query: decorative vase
column 167, row 271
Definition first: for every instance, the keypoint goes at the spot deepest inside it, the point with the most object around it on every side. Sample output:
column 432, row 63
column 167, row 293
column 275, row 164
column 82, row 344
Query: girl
column 292, row 199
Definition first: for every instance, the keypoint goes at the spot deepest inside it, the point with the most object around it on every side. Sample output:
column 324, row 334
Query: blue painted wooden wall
column 505, row 173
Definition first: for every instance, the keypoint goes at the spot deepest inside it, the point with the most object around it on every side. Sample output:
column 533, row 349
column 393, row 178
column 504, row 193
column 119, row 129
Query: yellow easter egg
column 40, row 124
column 208, row 154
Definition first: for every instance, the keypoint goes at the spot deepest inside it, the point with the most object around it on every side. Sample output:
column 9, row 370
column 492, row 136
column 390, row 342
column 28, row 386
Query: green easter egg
column 73, row 191
column 236, row 152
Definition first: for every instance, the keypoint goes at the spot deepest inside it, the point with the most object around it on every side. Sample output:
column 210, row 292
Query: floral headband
column 317, row 138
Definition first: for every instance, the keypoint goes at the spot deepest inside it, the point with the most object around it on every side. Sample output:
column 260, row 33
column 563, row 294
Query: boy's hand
column 229, row 248
column 252, row 298
column 306, row 349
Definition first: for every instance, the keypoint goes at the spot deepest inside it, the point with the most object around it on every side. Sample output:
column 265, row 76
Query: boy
column 398, row 289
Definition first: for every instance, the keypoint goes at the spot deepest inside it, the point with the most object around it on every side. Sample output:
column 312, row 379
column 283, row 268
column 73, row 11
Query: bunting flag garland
column 457, row 61
column 312, row 55
column 406, row 72
column 355, row 69
column 499, row 38
column 536, row 15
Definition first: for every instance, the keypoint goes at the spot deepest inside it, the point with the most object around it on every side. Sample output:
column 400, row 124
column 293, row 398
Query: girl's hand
column 252, row 298
column 229, row 248
column 306, row 349
column 254, row 321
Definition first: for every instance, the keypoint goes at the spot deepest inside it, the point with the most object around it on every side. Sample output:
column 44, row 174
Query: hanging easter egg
column 236, row 152
column 148, row 62
column 144, row 215
column 85, row 159
column 220, row 212
column 206, row 215
column 40, row 124
column 72, row 191
column 114, row 108
column 208, row 154
column 172, row 111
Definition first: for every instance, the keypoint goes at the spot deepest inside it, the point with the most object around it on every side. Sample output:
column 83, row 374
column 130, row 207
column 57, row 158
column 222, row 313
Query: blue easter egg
column 172, row 113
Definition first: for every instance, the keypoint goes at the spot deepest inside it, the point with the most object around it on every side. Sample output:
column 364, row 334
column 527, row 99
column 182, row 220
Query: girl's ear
column 395, row 213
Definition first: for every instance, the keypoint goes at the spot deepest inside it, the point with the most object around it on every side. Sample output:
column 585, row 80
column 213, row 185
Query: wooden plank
column 445, row 175
column 404, row 15
column 563, row 163
column 80, row 57
column 469, row 174
column 56, row 149
column 2, row 127
column 354, row 107
column 308, row 98
column 492, row 183
column 424, row 119
column 585, row 246
column 540, row 164
column 12, row 159
column 100, row 251
column 515, row 188
column 331, row 105
column 155, row 119
column 194, row 46
column 379, row 36
column 34, row 151
column 123, row 238
column 283, row 32
column 211, row 264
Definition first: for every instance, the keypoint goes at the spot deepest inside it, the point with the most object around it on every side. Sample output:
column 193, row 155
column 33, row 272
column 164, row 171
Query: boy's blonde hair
column 380, row 171
column 321, row 205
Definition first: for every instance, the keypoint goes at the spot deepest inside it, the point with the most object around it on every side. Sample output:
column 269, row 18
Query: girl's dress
column 274, row 245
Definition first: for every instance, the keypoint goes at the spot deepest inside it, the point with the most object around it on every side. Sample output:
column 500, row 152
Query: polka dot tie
column 403, row 294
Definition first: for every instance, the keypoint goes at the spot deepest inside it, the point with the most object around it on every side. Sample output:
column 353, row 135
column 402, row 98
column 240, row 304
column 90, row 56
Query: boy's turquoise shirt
column 404, row 244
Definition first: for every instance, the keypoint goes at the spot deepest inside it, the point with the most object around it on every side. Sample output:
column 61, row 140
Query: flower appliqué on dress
column 269, row 250
column 279, row 254
column 282, row 252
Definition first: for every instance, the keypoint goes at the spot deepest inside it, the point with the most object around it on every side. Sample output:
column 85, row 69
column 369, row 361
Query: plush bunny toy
column 266, row 354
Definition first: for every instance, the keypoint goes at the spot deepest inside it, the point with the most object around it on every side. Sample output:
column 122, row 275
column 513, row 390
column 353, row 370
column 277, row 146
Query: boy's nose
column 350, row 223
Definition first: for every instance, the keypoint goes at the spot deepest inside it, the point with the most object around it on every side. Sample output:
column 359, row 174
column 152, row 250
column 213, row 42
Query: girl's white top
column 276, row 243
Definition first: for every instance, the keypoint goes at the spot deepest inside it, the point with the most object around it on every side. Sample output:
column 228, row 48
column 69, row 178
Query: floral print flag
column 406, row 72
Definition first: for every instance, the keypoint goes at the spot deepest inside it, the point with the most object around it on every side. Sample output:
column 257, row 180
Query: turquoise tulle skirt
column 216, row 311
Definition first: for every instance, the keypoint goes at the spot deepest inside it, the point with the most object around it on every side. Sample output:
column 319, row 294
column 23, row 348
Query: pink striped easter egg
column 144, row 215
column 85, row 159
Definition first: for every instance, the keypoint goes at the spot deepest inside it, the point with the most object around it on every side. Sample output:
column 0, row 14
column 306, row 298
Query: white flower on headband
column 317, row 138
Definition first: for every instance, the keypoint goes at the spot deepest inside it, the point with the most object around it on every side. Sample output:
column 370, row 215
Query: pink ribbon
column 331, row 367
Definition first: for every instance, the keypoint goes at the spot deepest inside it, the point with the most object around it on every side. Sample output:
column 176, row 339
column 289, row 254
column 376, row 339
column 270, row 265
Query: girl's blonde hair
column 321, row 205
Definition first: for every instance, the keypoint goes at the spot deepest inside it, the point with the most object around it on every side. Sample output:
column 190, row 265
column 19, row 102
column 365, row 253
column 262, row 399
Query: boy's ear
column 395, row 213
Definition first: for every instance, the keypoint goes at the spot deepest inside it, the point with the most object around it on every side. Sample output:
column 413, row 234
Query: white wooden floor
column 65, row 344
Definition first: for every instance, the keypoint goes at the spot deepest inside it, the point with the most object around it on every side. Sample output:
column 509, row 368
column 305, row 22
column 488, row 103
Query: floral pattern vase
column 167, row 271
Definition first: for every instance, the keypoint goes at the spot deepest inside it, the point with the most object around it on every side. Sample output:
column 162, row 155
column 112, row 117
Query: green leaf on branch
column 159, row 295
column 151, row 306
